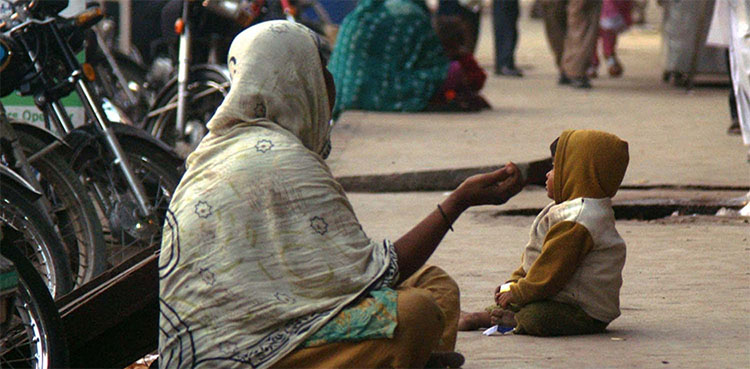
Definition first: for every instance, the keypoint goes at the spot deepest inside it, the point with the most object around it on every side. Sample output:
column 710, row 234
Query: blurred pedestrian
column 616, row 18
column 639, row 11
column 729, row 28
column 572, row 28
column 537, row 10
column 505, row 21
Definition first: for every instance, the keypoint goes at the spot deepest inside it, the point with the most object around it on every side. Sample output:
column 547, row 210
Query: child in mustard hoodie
column 571, row 270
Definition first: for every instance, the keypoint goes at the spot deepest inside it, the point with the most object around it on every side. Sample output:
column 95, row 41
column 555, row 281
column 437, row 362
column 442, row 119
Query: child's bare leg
column 503, row 317
column 473, row 321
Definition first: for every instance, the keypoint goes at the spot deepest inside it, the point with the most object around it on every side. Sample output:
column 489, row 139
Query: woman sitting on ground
column 388, row 57
column 263, row 261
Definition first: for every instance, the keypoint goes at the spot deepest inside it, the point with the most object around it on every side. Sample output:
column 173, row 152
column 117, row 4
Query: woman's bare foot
column 473, row 321
column 503, row 317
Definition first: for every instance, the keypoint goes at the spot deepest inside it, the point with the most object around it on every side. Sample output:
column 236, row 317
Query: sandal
column 592, row 72
column 734, row 129
column 614, row 67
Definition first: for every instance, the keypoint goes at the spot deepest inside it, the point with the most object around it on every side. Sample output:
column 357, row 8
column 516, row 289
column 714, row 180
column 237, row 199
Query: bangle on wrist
column 445, row 217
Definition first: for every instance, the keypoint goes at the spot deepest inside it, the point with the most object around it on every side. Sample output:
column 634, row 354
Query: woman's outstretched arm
column 494, row 188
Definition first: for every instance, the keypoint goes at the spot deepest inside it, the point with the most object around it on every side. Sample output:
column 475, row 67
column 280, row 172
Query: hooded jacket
column 575, row 254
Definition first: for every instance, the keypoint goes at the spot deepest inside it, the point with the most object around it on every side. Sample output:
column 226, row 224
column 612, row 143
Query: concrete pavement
column 686, row 294
column 685, row 300
column 676, row 137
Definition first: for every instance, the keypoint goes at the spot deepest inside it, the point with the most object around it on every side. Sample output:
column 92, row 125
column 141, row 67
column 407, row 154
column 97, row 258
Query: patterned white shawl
column 262, row 247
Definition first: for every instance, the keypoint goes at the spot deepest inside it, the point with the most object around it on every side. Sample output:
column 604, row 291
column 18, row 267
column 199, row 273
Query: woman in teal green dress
column 389, row 58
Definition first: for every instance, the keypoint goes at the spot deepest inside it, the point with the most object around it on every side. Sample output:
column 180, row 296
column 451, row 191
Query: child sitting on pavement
column 571, row 270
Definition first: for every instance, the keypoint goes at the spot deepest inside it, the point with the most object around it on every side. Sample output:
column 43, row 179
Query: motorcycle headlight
column 5, row 54
column 13, row 66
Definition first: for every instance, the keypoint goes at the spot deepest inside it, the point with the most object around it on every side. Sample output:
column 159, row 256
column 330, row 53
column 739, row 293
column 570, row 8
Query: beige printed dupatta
column 262, row 247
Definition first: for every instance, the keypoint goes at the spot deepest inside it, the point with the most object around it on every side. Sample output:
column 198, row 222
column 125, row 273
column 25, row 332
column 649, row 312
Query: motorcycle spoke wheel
column 116, row 201
column 32, row 332
column 39, row 244
column 206, row 93
column 73, row 213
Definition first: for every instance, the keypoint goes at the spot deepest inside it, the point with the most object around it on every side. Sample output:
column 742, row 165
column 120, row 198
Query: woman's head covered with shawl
column 277, row 79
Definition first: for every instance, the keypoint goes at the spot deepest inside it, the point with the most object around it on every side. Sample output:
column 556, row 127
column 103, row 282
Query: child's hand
column 504, row 298
column 494, row 188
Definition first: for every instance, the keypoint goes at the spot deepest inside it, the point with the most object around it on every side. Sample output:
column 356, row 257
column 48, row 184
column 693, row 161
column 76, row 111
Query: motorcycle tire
column 207, row 89
column 159, row 173
column 33, row 335
column 73, row 212
column 40, row 243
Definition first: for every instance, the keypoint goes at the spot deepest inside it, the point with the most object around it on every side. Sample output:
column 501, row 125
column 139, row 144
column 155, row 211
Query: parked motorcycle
column 129, row 174
column 37, row 241
column 65, row 202
column 179, row 111
column 31, row 333
column 186, row 103
column 127, row 84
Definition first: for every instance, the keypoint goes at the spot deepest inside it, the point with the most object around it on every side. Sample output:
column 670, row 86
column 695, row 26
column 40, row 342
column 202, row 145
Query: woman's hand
column 494, row 188
column 416, row 246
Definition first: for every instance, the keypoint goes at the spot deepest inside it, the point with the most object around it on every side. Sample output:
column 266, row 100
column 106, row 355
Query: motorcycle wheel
column 39, row 243
column 32, row 331
column 124, row 234
column 207, row 89
column 73, row 212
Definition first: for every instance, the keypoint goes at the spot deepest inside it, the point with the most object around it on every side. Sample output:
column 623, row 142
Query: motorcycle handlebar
column 88, row 17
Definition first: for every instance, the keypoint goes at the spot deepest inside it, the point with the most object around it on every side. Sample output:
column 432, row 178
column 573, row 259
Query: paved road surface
column 686, row 294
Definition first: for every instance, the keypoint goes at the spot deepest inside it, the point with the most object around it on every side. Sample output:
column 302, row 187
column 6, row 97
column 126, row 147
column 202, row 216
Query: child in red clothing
column 460, row 91
column 616, row 18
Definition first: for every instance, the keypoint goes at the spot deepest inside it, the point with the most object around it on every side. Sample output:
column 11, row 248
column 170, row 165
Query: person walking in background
column 505, row 21
column 721, row 34
column 639, row 11
column 616, row 17
column 729, row 28
column 572, row 27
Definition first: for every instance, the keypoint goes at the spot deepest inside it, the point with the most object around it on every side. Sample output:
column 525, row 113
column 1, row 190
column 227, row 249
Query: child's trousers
column 552, row 318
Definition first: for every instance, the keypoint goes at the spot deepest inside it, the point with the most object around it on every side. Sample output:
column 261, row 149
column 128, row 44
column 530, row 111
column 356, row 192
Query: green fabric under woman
column 387, row 58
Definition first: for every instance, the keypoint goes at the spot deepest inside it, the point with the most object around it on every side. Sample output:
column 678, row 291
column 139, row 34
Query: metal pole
column 183, row 69
column 126, row 22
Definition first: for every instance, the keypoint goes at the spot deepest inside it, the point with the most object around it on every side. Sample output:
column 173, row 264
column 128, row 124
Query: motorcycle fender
column 6, row 174
column 43, row 134
column 81, row 137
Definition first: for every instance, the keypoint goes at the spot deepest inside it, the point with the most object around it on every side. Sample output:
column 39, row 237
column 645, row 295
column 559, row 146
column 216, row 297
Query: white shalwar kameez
column 730, row 27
